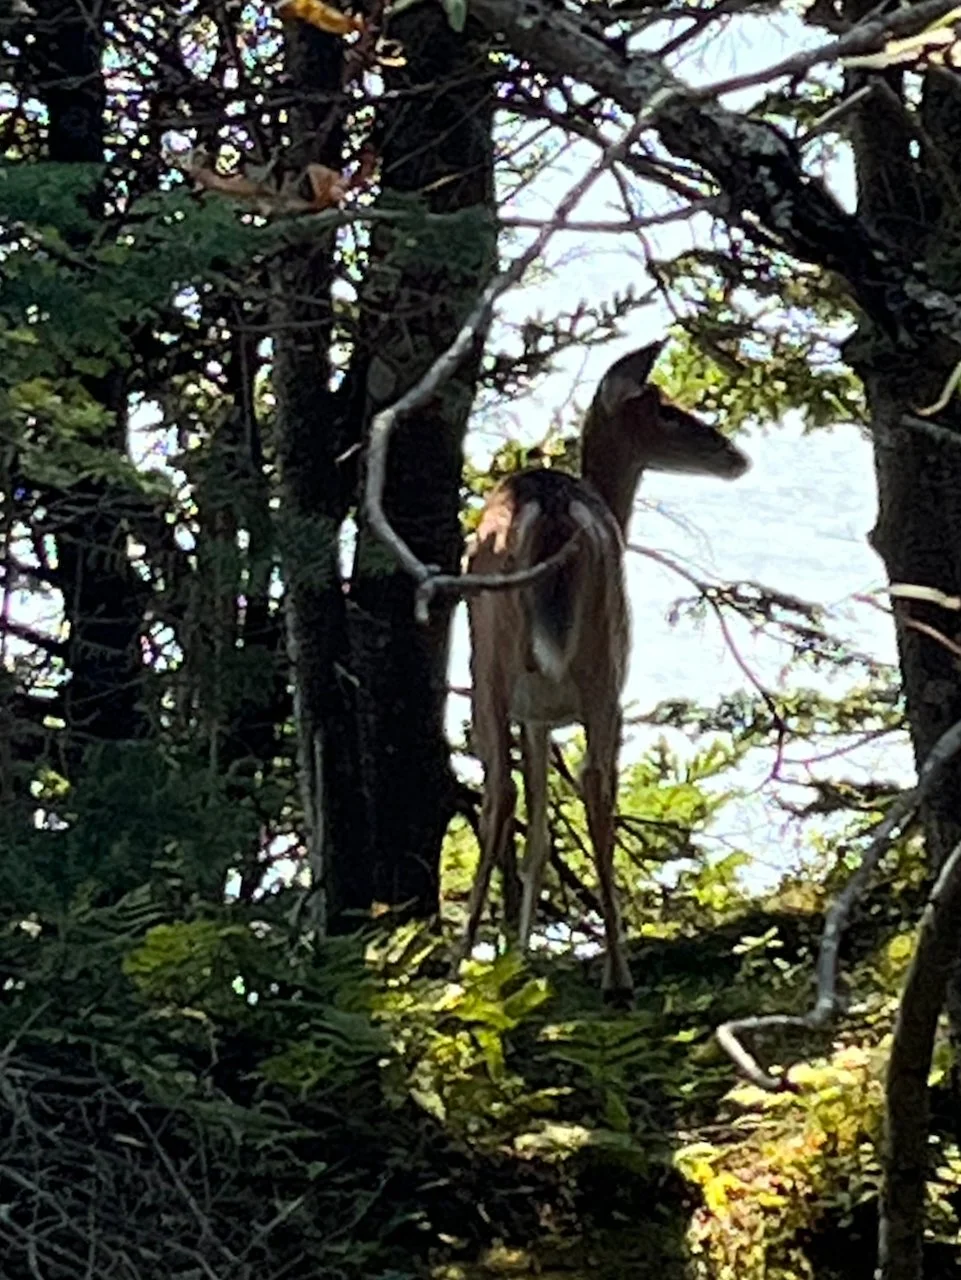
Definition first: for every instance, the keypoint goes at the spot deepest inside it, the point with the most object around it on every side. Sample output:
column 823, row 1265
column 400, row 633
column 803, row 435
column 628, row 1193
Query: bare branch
column 826, row 1001
column 868, row 36
column 840, row 111
column 944, row 399
column 930, row 595
column 757, row 167
column 699, row 20
column 728, row 1037
column 665, row 172
column 602, row 226
column 446, row 363
column 943, row 435
column 925, row 628
column 472, row 584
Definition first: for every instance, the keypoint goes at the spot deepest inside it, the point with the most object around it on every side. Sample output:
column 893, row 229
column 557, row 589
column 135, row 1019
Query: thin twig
column 860, row 740
column 915, row 624
column 944, row 399
column 14, row 1041
column 669, row 174
column 699, row 19
column 826, row 1001
column 605, row 225
column 840, row 111
column 867, row 37
column 428, row 577
column 707, row 593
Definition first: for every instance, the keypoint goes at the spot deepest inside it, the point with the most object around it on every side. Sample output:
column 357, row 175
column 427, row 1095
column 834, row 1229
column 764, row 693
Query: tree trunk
column 918, row 536
column 316, row 495
column 233, row 634
column 104, row 597
column 918, row 530
column 437, row 145
column 901, row 1239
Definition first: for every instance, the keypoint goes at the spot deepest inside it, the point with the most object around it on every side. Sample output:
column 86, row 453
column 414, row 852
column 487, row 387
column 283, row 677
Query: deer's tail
column 553, row 601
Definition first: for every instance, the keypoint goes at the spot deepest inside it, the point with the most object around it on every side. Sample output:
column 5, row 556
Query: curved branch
column 472, row 584
column 868, row 36
column 827, row 1001
column 428, row 577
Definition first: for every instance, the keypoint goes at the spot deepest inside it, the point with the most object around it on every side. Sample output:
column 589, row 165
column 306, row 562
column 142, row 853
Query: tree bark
column 918, row 529
column 316, row 495
column 906, row 1155
column 436, row 145
column 103, row 595
column 918, row 535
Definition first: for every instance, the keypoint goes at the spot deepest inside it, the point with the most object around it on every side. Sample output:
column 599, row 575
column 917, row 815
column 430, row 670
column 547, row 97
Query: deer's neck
column 615, row 479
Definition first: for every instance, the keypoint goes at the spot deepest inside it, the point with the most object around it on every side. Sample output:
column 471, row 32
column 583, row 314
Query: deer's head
column 632, row 427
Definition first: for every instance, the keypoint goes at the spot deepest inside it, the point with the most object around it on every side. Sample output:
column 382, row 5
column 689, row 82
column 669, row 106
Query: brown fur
column 555, row 652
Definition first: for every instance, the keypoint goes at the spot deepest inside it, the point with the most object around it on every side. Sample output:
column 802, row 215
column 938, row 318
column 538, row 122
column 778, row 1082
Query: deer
column 554, row 651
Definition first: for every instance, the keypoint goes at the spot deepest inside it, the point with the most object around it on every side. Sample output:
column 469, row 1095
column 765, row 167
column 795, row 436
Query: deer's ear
column 627, row 377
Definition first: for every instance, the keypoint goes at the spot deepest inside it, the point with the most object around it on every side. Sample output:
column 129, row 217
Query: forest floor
column 202, row 1098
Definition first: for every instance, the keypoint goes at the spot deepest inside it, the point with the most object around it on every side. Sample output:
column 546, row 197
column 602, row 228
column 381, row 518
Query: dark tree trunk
column 918, row 536
column 437, row 144
column 918, row 530
column 317, row 491
column 104, row 596
column 234, row 635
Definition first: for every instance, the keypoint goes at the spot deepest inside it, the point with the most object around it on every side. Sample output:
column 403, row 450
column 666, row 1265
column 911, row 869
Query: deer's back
column 529, row 517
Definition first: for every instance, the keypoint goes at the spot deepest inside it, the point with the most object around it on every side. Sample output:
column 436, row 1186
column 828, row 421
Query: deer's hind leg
column 599, row 783
column 536, row 738
column 496, row 825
